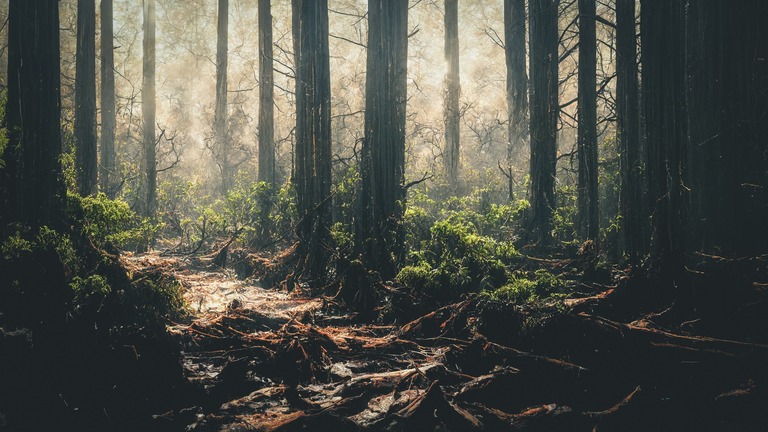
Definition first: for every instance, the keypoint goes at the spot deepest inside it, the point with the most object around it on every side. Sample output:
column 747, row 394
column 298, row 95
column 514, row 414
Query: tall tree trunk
column 148, row 109
column 220, row 112
column 312, row 174
column 517, row 81
column 108, row 158
column 452, row 91
column 543, row 40
column 383, row 150
column 703, row 53
column 744, row 100
column 34, row 185
column 628, row 116
column 266, row 96
column 86, row 154
column 589, row 215
column 663, row 42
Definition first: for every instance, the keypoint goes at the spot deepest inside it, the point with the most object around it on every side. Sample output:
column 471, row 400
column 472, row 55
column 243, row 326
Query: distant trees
column 383, row 150
column 33, row 183
column 108, row 123
column 266, row 96
column 86, row 154
column 452, row 114
column 543, row 40
column 220, row 110
column 148, row 110
column 588, row 199
column 517, row 81
column 312, row 171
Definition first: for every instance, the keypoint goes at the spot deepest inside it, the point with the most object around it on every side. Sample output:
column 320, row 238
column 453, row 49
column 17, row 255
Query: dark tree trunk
column 312, row 173
column 86, row 154
column 743, row 141
column 517, row 81
column 726, row 107
column 628, row 116
column 663, row 42
column 108, row 158
column 220, row 111
column 383, row 150
column 543, row 40
column 452, row 91
column 589, row 215
column 34, row 186
column 148, row 109
column 704, row 51
column 266, row 96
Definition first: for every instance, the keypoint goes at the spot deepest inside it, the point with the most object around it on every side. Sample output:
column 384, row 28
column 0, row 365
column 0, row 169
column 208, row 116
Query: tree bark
column 312, row 173
column 148, row 109
column 383, row 150
column 86, row 154
column 266, row 96
column 220, row 111
column 588, row 200
column 452, row 91
column 663, row 41
column 726, row 106
column 628, row 117
column 34, row 186
column 543, row 40
column 517, row 82
column 108, row 154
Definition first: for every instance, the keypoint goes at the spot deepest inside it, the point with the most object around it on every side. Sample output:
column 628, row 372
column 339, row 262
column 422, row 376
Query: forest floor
column 267, row 359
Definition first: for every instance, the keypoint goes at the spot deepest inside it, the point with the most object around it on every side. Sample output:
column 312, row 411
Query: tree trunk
column 108, row 158
column 589, row 215
column 744, row 100
column 726, row 107
column 517, row 81
column 628, row 116
column 383, row 150
column 452, row 91
column 266, row 96
column 543, row 40
column 312, row 174
column 86, row 154
column 663, row 53
column 148, row 109
column 34, row 186
column 220, row 112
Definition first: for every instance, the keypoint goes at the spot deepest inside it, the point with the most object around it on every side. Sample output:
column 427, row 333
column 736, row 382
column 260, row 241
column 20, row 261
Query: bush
column 457, row 260
column 105, row 220
column 527, row 288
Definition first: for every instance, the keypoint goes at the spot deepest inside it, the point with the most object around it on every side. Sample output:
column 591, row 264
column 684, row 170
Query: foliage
column 564, row 217
column 524, row 287
column 149, row 301
column 112, row 221
column 90, row 292
column 456, row 260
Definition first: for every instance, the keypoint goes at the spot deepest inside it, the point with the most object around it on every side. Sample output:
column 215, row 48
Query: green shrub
column 150, row 301
column 90, row 292
column 105, row 220
column 456, row 260
column 528, row 288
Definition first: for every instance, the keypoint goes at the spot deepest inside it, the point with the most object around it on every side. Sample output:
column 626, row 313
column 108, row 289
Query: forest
column 384, row 215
